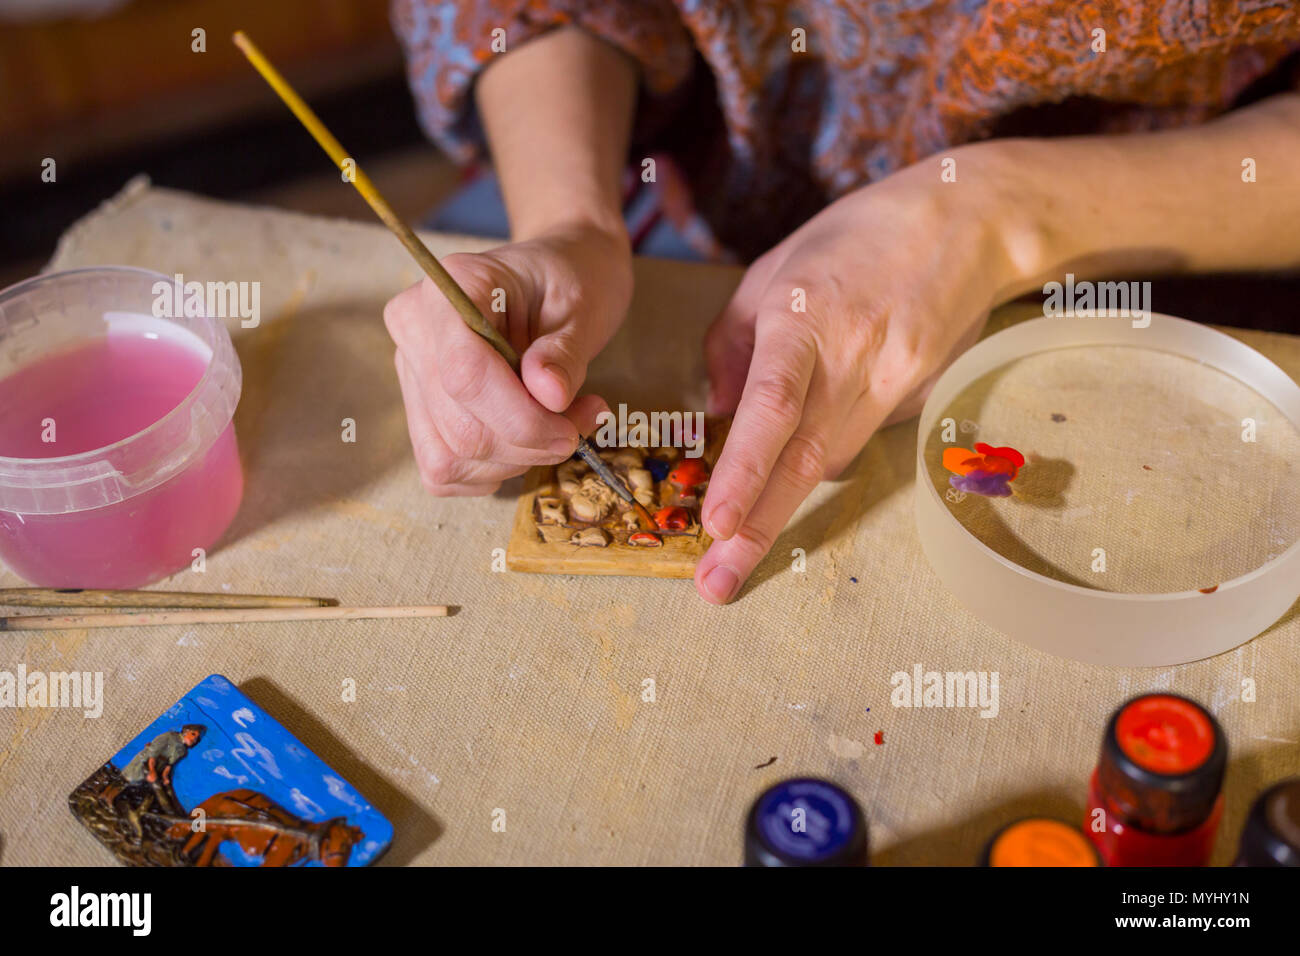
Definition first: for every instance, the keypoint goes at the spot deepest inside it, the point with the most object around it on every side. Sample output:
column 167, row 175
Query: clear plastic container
column 117, row 448
column 1085, row 623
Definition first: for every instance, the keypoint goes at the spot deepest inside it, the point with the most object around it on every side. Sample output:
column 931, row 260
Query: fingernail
column 564, row 447
column 722, row 583
column 560, row 374
column 724, row 519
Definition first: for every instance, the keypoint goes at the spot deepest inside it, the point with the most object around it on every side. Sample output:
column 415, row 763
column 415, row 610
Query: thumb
column 555, row 365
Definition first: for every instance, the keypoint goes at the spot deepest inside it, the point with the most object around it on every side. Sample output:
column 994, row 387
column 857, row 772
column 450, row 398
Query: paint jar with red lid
column 1271, row 836
column 1154, row 798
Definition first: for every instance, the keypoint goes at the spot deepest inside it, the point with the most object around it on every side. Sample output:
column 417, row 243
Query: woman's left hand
column 842, row 328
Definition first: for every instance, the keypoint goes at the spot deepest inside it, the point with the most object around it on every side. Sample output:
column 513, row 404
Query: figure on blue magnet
column 151, row 766
column 215, row 781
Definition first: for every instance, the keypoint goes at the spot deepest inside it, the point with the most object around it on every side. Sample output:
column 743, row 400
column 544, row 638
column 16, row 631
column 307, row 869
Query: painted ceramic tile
column 568, row 522
column 216, row 781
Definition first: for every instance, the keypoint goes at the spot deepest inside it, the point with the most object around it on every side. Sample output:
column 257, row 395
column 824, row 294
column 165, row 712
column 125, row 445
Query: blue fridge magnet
column 216, row 781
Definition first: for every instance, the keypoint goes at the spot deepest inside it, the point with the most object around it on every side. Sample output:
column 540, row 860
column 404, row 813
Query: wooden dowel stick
column 92, row 597
column 53, row 622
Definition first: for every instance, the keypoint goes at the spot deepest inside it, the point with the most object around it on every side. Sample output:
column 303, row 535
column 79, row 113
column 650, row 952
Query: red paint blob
column 880, row 737
column 996, row 461
column 645, row 539
column 689, row 473
column 673, row 519
column 1002, row 451
column 1165, row 734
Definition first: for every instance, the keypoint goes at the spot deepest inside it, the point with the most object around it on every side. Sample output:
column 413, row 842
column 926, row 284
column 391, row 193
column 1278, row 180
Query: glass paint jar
column 1154, row 798
column 1271, row 836
column 805, row 822
column 118, row 458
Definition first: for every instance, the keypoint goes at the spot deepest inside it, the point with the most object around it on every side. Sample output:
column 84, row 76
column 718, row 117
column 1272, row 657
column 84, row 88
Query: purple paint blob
column 990, row 484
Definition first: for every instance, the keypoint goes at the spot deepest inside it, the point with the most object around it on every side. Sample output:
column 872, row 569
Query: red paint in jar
column 1156, row 789
column 1166, row 734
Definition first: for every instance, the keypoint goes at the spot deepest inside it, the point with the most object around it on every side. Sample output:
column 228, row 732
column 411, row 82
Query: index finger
column 771, row 407
column 726, row 565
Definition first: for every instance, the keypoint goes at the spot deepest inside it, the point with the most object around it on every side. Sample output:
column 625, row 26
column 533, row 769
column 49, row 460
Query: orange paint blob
column 960, row 461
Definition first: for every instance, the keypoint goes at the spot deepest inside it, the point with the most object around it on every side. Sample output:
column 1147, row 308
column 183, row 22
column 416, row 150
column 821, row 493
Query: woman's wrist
column 975, row 197
column 558, row 114
column 1008, row 185
column 1143, row 203
column 592, row 217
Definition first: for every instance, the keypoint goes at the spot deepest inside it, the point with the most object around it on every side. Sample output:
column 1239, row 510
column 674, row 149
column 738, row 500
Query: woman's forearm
column 557, row 112
column 1170, row 201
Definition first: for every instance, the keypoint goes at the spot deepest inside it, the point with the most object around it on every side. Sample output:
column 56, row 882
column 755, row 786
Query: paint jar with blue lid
column 805, row 822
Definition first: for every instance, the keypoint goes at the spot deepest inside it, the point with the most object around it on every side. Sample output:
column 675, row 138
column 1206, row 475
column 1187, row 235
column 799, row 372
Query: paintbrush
column 461, row 302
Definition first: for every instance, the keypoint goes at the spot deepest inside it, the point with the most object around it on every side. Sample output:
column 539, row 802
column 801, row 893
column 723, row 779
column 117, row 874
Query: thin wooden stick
column 428, row 262
column 55, row 622
column 88, row 597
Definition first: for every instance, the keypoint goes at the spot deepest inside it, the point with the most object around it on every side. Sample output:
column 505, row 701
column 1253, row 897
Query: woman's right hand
column 473, row 423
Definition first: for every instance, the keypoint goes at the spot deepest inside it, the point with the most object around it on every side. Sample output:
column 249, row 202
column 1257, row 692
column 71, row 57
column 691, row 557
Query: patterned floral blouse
column 775, row 107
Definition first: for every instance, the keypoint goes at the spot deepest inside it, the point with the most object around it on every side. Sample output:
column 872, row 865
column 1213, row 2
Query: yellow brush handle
column 431, row 266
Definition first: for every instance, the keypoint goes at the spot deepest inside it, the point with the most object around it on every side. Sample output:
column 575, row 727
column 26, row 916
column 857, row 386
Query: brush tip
column 647, row 522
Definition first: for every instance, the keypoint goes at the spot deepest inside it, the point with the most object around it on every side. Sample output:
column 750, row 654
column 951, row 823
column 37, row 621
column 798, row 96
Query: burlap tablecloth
column 531, row 699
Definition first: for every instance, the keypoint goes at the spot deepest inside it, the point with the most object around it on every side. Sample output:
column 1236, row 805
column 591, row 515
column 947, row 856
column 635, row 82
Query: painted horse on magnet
column 263, row 828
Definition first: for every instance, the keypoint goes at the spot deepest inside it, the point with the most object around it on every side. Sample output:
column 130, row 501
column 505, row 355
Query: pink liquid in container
column 117, row 450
